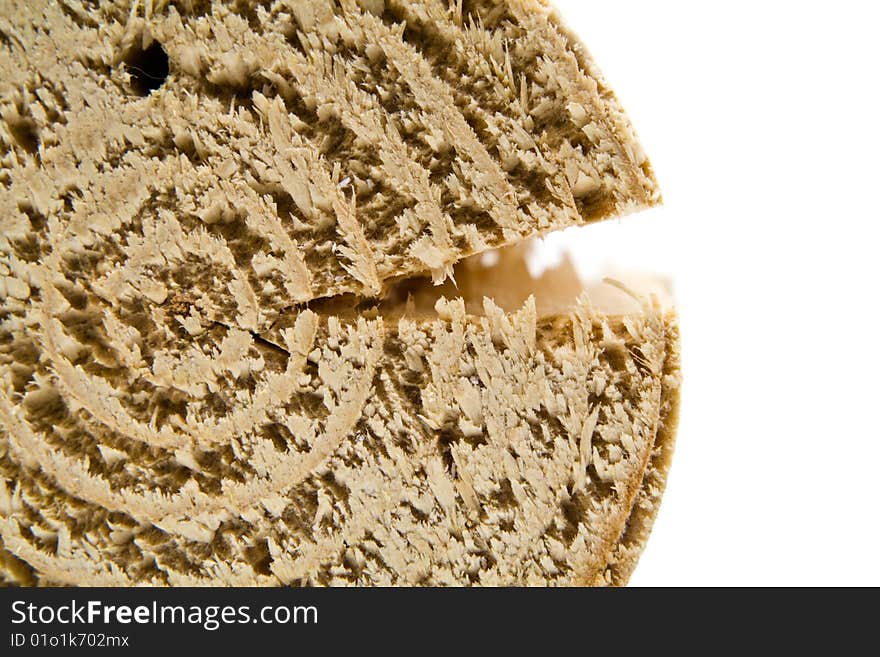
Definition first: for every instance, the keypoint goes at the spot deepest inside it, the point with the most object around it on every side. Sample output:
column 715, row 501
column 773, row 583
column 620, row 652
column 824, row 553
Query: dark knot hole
column 148, row 67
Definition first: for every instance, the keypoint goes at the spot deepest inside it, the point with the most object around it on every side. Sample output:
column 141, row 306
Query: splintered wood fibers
column 242, row 339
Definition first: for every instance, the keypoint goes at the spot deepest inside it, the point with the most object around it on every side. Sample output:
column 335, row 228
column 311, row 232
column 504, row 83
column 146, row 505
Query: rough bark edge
column 638, row 527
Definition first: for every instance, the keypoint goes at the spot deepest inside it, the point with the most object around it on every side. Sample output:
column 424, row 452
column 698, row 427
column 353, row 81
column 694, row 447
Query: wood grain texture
column 204, row 376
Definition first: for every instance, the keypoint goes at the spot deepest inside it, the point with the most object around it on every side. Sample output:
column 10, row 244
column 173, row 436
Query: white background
column 761, row 121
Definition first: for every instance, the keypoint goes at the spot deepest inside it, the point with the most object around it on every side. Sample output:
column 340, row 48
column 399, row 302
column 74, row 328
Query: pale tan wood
column 243, row 337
